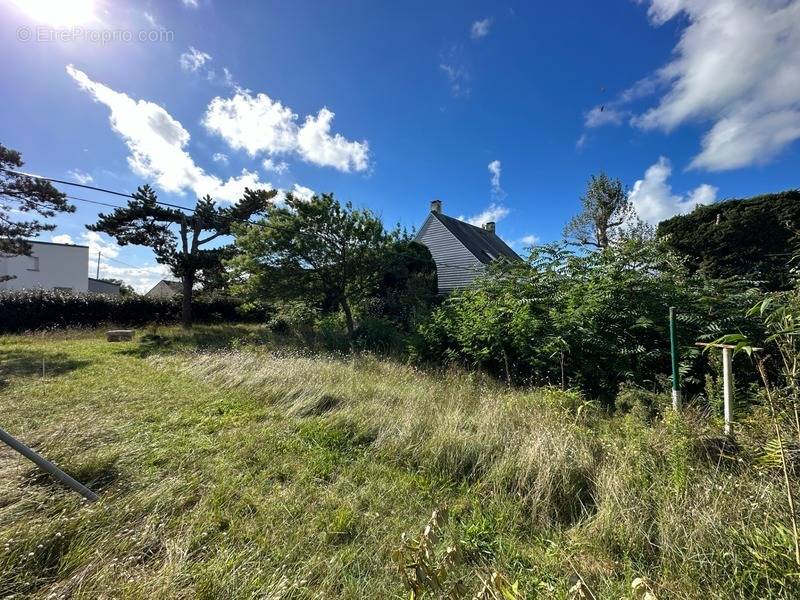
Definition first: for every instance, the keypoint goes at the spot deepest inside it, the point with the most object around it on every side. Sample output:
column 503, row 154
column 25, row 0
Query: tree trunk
column 186, row 307
column 348, row 318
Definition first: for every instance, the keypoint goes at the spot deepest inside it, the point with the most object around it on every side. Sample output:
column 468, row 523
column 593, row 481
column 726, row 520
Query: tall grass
column 257, row 474
column 666, row 499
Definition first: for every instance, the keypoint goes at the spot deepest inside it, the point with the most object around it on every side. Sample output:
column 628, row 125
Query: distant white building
column 51, row 266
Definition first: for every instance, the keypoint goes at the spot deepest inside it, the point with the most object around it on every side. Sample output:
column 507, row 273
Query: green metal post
column 676, row 376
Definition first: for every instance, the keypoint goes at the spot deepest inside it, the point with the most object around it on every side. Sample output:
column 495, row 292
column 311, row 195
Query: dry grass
column 254, row 474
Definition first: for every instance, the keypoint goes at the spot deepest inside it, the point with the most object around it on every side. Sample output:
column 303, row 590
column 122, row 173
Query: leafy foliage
column 605, row 211
column 24, row 194
column 407, row 284
column 146, row 222
column 590, row 321
column 752, row 239
column 29, row 310
column 333, row 256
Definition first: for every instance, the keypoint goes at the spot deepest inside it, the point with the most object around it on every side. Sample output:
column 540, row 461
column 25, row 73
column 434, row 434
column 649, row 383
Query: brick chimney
column 489, row 226
column 436, row 206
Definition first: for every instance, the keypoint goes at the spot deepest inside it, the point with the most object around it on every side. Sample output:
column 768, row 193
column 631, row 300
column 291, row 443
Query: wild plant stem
column 789, row 495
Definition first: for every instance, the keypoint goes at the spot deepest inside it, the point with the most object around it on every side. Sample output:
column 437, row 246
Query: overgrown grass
column 244, row 471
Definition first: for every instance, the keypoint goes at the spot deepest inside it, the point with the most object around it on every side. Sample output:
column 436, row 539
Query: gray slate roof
column 485, row 245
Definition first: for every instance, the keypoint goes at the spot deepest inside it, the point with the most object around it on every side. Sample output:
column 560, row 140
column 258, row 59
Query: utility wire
column 177, row 206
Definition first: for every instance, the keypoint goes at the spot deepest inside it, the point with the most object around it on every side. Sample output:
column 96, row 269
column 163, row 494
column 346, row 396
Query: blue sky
column 492, row 107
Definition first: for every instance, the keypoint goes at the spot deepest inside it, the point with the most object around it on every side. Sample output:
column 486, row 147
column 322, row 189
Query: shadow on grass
column 36, row 363
column 97, row 473
column 200, row 337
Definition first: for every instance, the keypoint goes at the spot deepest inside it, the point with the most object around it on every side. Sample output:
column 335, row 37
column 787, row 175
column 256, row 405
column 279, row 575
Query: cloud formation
column 259, row 124
column 193, row 59
column 480, row 29
column 735, row 67
column 493, row 213
column 157, row 144
column 654, row 201
column 496, row 170
column 80, row 176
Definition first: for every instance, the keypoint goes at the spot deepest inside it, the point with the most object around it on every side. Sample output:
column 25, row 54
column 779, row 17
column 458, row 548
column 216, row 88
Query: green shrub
column 28, row 310
column 378, row 335
column 590, row 321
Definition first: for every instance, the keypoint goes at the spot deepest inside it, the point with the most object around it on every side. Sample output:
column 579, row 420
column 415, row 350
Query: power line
column 177, row 206
column 116, row 260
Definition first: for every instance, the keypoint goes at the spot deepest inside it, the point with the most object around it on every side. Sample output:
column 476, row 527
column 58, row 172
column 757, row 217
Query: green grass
column 245, row 472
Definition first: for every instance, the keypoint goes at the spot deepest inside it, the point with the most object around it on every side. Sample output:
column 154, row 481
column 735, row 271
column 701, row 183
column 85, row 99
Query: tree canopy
column 178, row 237
column 24, row 195
column 752, row 239
column 605, row 210
column 317, row 250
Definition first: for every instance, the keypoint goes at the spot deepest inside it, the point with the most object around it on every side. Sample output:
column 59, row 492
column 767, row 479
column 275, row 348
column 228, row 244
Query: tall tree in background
column 753, row 238
column 23, row 194
column 177, row 238
column 314, row 250
column 605, row 210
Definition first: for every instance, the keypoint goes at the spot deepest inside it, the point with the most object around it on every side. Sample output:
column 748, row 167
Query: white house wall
column 456, row 267
column 59, row 266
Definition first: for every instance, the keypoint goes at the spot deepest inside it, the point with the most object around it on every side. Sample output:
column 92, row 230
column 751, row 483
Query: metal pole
column 98, row 264
column 48, row 466
column 676, row 376
column 727, row 384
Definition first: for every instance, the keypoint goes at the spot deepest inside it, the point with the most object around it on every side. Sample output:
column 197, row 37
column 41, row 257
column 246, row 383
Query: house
column 165, row 289
column 101, row 286
column 50, row 266
column 461, row 251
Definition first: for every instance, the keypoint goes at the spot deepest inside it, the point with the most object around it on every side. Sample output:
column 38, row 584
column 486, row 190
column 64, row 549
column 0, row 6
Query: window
column 34, row 263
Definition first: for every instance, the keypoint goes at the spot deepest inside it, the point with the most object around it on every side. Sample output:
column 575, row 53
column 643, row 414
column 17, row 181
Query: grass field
column 234, row 471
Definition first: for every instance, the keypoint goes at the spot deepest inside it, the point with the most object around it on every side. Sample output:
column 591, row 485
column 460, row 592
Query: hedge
column 38, row 309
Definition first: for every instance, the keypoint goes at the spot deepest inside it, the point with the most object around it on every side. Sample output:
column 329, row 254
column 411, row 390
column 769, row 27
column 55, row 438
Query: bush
column 589, row 321
column 378, row 335
column 28, row 310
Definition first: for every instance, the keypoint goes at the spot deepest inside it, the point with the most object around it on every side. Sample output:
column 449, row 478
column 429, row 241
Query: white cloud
column 494, row 213
column 735, row 66
column 496, row 169
column 302, row 193
column 529, row 240
column 654, row 201
column 190, row 3
column 581, row 141
column 220, row 157
column 741, row 139
column 101, row 243
column 481, row 28
column 194, row 59
column 80, row 176
column 317, row 146
column 604, row 115
column 63, row 238
column 150, row 18
column 259, row 124
column 157, row 142
column 252, row 123
column 142, row 278
column 458, row 77
column 280, row 167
